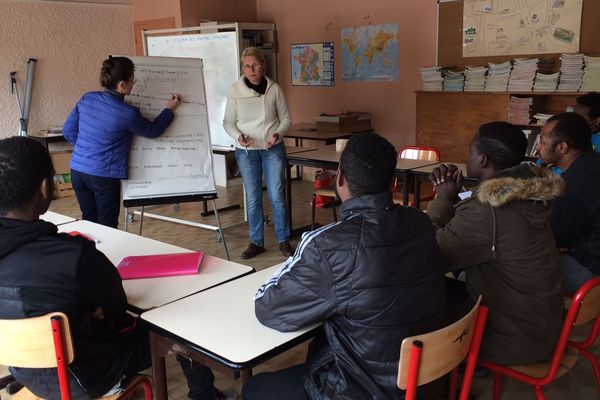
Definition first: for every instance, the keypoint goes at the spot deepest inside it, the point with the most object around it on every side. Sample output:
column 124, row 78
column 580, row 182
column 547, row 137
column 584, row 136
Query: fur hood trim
column 523, row 182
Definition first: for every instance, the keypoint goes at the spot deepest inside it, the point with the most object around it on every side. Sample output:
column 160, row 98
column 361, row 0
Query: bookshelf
column 449, row 120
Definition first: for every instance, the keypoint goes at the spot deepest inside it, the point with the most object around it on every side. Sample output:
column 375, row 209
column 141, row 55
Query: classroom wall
column 392, row 104
column 144, row 10
column 194, row 12
column 69, row 41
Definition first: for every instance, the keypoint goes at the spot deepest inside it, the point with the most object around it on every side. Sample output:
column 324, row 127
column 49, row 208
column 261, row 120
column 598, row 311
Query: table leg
column 246, row 375
column 288, row 192
column 405, row 188
column 159, row 375
column 417, row 198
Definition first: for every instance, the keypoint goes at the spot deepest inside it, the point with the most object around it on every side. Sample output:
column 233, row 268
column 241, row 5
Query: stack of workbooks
column 499, row 74
column 475, row 79
column 454, row 81
column 546, row 82
column 591, row 75
column 522, row 75
column 571, row 72
column 541, row 118
column 519, row 110
column 432, row 79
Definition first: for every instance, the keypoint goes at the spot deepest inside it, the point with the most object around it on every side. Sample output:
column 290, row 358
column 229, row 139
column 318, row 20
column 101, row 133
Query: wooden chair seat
column 540, row 370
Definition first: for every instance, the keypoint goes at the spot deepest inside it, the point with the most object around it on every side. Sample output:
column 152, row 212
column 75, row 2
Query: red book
column 155, row 265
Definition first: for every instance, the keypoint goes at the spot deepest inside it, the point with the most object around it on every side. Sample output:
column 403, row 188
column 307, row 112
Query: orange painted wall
column 144, row 10
column 392, row 104
column 194, row 12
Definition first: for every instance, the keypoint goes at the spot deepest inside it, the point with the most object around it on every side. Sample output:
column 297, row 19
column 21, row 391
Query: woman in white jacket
column 256, row 116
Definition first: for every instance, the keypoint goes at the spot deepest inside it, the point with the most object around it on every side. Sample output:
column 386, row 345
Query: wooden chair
column 416, row 153
column 425, row 358
column 584, row 308
column 45, row 342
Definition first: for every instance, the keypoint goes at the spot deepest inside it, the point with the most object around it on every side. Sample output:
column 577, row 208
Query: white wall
column 69, row 41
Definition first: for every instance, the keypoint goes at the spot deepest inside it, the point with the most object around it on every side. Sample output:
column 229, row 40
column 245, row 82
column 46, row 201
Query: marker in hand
column 174, row 101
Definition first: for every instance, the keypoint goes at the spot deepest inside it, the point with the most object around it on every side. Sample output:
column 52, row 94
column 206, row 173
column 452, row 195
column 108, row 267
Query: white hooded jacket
column 254, row 115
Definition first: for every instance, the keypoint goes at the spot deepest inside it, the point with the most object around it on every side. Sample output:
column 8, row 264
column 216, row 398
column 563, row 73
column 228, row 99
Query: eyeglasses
column 252, row 66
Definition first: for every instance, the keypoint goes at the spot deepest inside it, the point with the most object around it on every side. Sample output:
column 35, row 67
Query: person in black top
column 43, row 271
column 565, row 142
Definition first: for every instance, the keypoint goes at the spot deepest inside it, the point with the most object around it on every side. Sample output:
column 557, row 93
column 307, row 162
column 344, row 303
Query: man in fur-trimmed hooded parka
column 501, row 237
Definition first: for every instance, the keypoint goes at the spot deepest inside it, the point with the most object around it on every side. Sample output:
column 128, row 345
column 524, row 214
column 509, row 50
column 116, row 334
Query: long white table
column 218, row 327
column 56, row 218
column 144, row 294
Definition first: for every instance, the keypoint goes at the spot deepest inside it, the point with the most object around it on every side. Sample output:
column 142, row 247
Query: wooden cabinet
column 449, row 121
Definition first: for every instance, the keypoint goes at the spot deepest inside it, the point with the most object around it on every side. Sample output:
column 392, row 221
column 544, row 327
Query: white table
column 144, row 294
column 56, row 218
column 218, row 327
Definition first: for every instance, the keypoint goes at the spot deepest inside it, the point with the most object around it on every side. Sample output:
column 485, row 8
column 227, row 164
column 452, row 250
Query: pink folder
column 152, row 266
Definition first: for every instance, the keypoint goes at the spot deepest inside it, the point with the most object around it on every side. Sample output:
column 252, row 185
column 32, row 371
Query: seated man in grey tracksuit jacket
column 371, row 279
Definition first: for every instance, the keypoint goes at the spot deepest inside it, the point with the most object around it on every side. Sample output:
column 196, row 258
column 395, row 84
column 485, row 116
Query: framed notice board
column 450, row 26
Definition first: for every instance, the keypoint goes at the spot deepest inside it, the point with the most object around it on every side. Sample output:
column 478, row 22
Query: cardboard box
column 61, row 161
column 63, row 190
column 347, row 122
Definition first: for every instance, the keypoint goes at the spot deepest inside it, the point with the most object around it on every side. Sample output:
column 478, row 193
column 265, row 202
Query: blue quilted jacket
column 101, row 127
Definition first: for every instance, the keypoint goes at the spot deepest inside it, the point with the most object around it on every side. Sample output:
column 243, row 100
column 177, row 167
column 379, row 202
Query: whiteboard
column 219, row 52
column 179, row 162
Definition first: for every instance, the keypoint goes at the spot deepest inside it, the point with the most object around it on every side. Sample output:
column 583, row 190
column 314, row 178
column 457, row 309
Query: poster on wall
column 497, row 28
column 312, row 64
column 371, row 53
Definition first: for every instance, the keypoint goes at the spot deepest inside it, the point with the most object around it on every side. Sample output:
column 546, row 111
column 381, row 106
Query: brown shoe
column 286, row 248
column 252, row 251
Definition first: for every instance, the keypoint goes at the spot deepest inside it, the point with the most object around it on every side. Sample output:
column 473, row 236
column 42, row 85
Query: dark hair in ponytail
column 115, row 69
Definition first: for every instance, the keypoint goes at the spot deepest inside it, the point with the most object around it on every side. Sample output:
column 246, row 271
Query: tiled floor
column 236, row 238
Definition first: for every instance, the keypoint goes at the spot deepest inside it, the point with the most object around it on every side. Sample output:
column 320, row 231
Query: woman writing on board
column 256, row 115
column 100, row 128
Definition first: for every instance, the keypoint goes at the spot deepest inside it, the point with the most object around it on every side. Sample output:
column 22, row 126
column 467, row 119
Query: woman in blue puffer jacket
column 101, row 127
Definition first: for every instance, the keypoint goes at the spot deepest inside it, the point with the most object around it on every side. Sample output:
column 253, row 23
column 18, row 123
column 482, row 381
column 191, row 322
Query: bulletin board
column 450, row 25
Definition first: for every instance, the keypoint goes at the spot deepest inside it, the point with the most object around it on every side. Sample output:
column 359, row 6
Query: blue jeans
column 574, row 274
column 98, row 197
column 252, row 165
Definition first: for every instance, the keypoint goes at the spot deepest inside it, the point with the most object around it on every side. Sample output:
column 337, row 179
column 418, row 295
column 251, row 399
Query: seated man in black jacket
column 565, row 142
column 372, row 279
column 42, row 271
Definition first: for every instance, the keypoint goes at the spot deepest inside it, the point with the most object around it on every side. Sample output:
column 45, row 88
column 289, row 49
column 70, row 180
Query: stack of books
column 499, row 74
column 431, row 79
column 519, row 110
column 571, row 72
column 475, row 79
column 591, row 75
column 546, row 82
column 454, row 81
column 522, row 75
column 541, row 118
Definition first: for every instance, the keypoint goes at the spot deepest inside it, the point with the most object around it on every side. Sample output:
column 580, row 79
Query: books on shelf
column 571, row 72
column 591, row 75
column 157, row 265
column 454, row 81
column 541, row 118
column 498, row 76
column 475, row 78
column 519, row 110
column 522, row 75
column 432, row 79
column 546, row 82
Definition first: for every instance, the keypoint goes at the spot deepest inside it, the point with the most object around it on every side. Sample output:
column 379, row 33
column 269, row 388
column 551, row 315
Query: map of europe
column 371, row 53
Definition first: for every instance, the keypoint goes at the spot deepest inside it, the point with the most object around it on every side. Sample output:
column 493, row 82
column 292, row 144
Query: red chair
column 425, row 358
column 45, row 342
column 590, row 313
column 416, row 153
column 584, row 308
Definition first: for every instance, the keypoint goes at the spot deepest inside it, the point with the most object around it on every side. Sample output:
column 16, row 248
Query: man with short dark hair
column 42, row 271
column 565, row 142
column 588, row 106
column 502, row 239
column 372, row 278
